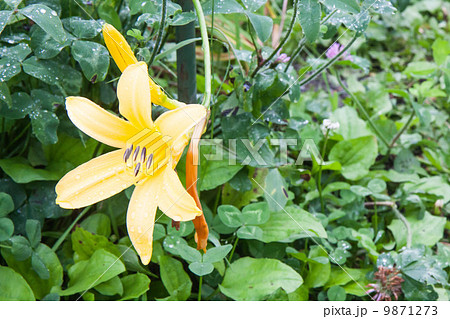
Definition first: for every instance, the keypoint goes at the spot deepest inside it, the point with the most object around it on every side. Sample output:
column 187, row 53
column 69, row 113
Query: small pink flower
column 283, row 58
column 335, row 49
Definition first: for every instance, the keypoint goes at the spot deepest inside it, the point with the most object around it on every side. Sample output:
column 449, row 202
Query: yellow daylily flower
column 148, row 153
column 122, row 54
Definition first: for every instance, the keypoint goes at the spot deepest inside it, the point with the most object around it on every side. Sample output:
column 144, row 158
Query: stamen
column 149, row 161
column 137, row 168
column 143, row 154
column 136, row 153
column 127, row 153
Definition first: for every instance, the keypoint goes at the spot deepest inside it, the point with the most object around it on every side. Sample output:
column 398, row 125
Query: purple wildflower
column 283, row 58
column 335, row 49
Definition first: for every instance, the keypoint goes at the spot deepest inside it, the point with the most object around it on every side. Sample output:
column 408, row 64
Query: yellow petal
column 133, row 92
column 99, row 123
column 118, row 47
column 174, row 200
column 178, row 124
column 141, row 218
column 96, row 180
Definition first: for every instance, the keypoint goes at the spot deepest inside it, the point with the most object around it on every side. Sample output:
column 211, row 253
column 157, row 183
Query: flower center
column 147, row 152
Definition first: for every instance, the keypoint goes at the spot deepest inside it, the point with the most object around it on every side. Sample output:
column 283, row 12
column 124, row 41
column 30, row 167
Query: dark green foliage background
column 278, row 231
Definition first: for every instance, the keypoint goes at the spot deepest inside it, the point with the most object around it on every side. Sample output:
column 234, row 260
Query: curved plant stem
column 160, row 32
column 206, row 52
column 363, row 110
column 407, row 225
column 64, row 235
column 329, row 63
column 282, row 42
column 396, row 137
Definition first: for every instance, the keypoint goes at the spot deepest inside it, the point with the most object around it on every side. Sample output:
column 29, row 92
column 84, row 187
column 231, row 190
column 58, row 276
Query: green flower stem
column 396, row 137
column 282, row 42
column 407, row 225
column 319, row 175
column 206, row 52
column 234, row 248
column 64, row 235
column 364, row 111
column 200, row 283
column 329, row 63
column 160, row 31
column 5, row 246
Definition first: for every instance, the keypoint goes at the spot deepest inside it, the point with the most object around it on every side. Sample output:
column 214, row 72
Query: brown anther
column 137, row 168
column 143, row 154
column 149, row 161
column 126, row 154
column 136, row 153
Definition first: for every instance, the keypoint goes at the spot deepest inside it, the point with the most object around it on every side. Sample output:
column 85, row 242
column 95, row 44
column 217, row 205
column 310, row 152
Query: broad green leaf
column 134, row 286
column 82, row 29
column 379, row 6
column 263, row 25
column 342, row 276
column 250, row 232
column 9, row 67
column 255, row 214
column 216, row 254
column 175, row 279
column 201, row 268
column 85, row 244
column 309, row 16
column 45, row 125
column 41, row 287
column 4, row 17
column 6, row 204
column 107, row 12
column 436, row 185
column 190, row 254
column 319, row 273
column 222, row 7
column 421, row 69
column 253, row 5
column 350, row 125
column 230, row 215
column 131, row 260
column 275, row 190
column 336, row 293
column 6, row 228
column 22, row 105
column 5, row 95
column 20, row 247
column 93, row 59
column 356, row 156
column 267, row 275
column 44, row 46
column 33, row 228
column 426, row 231
column 39, row 266
column 85, row 274
column 441, row 50
column 18, row 52
column 98, row 224
column 111, row 287
column 344, row 5
column 13, row 287
column 47, row 19
column 291, row 224
column 21, row 172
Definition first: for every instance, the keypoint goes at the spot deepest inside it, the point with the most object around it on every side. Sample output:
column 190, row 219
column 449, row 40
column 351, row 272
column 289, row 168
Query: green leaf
column 93, row 59
column 44, row 46
column 287, row 226
column 18, row 52
column 20, row 248
column 82, row 29
column 263, row 25
column 421, row 69
column 6, row 228
column 319, row 273
column 267, row 275
column 21, row 172
column 275, row 190
column 222, row 7
column 134, row 286
column 13, row 287
column 41, row 287
column 350, row 124
column 309, row 16
column 441, row 50
column 98, row 224
column 216, row 254
column 229, row 215
column 344, row 5
column 33, row 228
column 39, row 267
column 175, row 279
column 22, row 105
column 336, row 293
column 201, row 268
column 86, row 244
column 426, row 231
column 356, row 156
column 253, row 5
column 111, row 287
column 47, row 19
column 255, row 214
column 377, row 185
column 415, row 290
column 4, row 17
column 131, row 260
column 250, row 232
column 5, row 95
column 6, row 204
column 9, row 67
column 101, row 267
column 107, row 12
column 190, row 254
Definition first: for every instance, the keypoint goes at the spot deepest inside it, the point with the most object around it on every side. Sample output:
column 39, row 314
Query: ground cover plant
column 323, row 164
